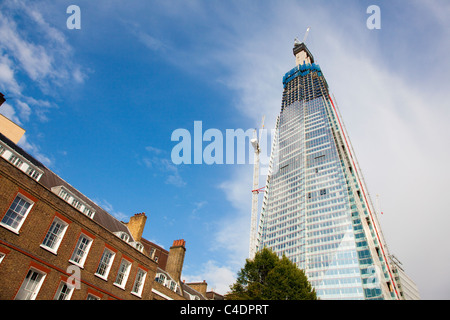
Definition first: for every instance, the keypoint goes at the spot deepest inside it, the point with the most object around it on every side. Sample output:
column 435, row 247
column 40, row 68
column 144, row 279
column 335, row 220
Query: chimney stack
column 199, row 286
column 136, row 225
column 175, row 260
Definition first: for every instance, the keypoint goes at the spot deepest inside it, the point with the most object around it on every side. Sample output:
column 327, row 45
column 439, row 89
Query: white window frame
column 66, row 295
column 105, row 263
column 2, row 256
column 88, row 212
column 22, row 215
column 139, row 246
column 161, row 278
column 74, row 201
column 91, row 296
column 57, row 238
column 123, row 273
column 33, row 173
column 85, row 250
column 30, row 287
column 15, row 160
column 139, row 282
column 64, row 194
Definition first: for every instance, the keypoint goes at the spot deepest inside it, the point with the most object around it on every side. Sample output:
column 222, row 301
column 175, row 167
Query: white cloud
column 150, row 41
column 9, row 113
column 43, row 57
column 108, row 207
column 34, row 150
column 32, row 58
column 153, row 149
column 7, row 78
column 219, row 278
column 162, row 166
column 24, row 110
column 198, row 206
column 231, row 233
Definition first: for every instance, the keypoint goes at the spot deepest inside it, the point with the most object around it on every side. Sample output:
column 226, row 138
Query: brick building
column 55, row 243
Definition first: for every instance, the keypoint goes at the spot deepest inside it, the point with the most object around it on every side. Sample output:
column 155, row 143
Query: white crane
column 255, row 192
column 306, row 34
column 297, row 42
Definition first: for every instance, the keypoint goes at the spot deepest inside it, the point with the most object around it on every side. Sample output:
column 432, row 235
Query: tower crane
column 297, row 42
column 306, row 34
column 255, row 191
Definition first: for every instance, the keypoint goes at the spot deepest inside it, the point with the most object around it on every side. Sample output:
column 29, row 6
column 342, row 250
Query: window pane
column 122, row 275
column 16, row 212
column 64, row 292
column 81, row 249
column 139, row 282
column 54, row 234
column 105, row 262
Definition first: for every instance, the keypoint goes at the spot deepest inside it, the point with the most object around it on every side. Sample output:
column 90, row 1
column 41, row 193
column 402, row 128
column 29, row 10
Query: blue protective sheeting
column 301, row 70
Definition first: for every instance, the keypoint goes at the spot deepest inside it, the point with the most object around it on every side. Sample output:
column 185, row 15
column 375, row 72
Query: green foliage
column 267, row 277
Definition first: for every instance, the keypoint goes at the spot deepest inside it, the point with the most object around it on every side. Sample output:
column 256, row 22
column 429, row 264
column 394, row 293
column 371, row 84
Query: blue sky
column 99, row 105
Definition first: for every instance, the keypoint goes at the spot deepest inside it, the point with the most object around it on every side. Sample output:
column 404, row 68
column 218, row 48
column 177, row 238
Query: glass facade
column 315, row 211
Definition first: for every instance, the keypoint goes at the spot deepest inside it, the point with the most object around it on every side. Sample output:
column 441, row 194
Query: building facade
column 57, row 244
column 316, row 209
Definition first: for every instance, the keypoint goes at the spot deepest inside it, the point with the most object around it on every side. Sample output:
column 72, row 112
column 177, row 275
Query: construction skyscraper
column 316, row 208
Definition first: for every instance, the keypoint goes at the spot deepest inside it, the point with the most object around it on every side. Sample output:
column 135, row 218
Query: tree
column 267, row 277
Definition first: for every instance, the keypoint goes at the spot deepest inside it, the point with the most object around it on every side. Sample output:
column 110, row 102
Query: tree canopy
column 267, row 277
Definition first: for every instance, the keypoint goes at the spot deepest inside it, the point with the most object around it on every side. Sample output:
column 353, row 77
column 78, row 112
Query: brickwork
column 199, row 286
column 176, row 259
column 136, row 225
column 23, row 250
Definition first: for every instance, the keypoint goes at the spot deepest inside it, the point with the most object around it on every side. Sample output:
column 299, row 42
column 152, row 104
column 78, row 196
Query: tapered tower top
column 302, row 54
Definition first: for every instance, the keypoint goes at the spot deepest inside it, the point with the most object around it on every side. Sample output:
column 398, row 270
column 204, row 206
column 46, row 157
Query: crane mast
column 255, row 192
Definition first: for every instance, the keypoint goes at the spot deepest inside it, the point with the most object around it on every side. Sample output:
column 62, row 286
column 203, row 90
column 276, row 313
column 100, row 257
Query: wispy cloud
column 7, row 78
column 108, row 207
column 35, row 150
column 195, row 214
column 157, row 161
column 150, row 41
column 199, row 205
column 44, row 57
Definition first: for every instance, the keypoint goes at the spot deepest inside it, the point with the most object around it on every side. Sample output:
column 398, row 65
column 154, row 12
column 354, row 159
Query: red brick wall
column 23, row 249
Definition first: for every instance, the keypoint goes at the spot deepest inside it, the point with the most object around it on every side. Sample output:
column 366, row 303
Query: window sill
column 81, row 266
column 55, row 252
column 137, row 295
column 105, row 278
column 120, row 287
column 9, row 228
